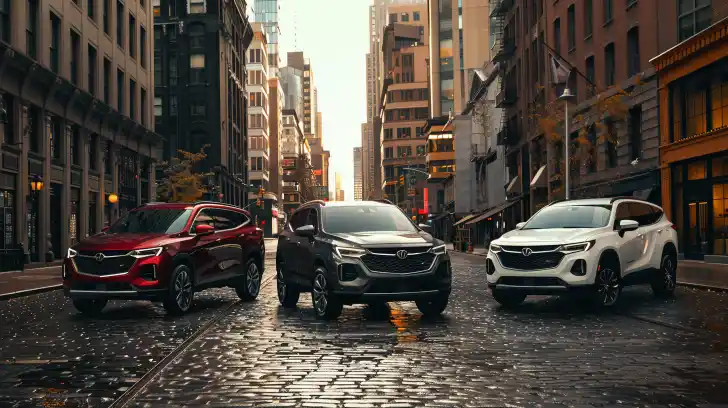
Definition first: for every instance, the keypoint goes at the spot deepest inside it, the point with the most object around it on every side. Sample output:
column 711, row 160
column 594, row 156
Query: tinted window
column 570, row 216
column 365, row 218
column 152, row 221
column 204, row 217
column 642, row 213
column 225, row 219
column 313, row 219
column 298, row 219
column 622, row 213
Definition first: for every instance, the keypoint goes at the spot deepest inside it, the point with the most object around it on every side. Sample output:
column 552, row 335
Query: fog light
column 579, row 268
column 149, row 272
column 348, row 272
column 489, row 267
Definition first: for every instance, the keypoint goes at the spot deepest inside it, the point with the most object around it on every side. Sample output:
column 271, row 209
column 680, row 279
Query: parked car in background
column 166, row 252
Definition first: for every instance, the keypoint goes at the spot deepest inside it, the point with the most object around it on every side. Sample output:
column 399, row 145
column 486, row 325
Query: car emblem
column 99, row 257
column 401, row 254
column 526, row 251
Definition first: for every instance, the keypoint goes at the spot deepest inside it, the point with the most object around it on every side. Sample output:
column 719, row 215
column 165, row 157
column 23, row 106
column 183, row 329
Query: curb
column 679, row 283
column 28, row 292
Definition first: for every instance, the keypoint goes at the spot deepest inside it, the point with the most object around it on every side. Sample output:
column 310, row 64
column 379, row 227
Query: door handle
column 241, row 236
column 659, row 231
column 298, row 243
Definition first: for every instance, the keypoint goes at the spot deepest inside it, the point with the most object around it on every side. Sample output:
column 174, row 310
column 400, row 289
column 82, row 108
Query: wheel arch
column 669, row 249
column 611, row 255
column 186, row 260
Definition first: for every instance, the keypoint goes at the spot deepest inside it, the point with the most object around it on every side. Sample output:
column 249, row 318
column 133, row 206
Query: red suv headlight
column 146, row 252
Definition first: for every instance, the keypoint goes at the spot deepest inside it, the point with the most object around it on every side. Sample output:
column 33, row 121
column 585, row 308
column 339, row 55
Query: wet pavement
column 549, row 352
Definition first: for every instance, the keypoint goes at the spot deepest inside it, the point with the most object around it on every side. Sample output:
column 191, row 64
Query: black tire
column 90, row 307
column 608, row 285
column 249, row 286
column 508, row 299
column 181, row 291
column 434, row 306
column 664, row 284
column 325, row 304
column 287, row 294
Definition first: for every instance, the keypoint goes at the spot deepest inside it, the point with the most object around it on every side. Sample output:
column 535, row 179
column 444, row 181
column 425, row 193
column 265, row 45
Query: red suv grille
column 107, row 266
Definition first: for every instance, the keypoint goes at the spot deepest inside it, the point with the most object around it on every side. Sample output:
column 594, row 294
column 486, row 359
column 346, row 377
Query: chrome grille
column 392, row 251
column 392, row 264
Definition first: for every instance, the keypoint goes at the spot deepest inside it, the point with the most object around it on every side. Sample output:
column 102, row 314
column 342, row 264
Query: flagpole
column 556, row 54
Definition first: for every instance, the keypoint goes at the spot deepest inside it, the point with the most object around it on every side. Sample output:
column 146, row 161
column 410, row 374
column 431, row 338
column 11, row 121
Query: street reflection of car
column 362, row 252
column 166, row 252
column 593, row 247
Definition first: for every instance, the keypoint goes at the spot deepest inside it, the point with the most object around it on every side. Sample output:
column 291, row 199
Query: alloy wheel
column 608, row 286
column 253, row 279
column 183, row 290
column 668, row 275
column 280, row 284
column 320, row 294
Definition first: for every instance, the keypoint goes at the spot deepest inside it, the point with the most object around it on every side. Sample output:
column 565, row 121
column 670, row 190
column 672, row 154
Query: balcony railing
column 500, row 7
column 506, row 96
column 506, row 50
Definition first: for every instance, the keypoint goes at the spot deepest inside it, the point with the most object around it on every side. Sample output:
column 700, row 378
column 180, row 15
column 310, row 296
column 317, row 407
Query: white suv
column 593, row 246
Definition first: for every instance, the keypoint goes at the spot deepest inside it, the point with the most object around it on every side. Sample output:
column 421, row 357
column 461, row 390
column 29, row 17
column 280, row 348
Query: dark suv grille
column 108, row 266
column 412, row 263
column 410, row 250
column 535, row 248
column 546, row 260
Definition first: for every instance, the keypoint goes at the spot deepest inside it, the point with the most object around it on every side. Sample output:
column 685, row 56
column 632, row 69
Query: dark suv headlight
column 348, row 252
column 439, row 250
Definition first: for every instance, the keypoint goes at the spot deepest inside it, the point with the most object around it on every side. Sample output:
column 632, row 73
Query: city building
column 693, row 117
column 267, row 12
column 357, row 174
column 292, row 84
column 365, row 159
column 337, row 191
column 440, row 161
column 258, row 113
column 405, row 106
column 341, row 196
column 77, row 145
column 200, row 98
column 291, row 149
column 276, row 103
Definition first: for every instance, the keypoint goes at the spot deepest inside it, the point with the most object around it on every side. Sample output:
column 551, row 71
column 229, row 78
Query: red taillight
column 673, row 226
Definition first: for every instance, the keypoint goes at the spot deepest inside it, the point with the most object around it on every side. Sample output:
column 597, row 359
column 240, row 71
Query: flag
column 560, row 71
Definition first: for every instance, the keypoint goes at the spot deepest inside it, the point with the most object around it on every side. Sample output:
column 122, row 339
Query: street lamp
column 113, row 198
column 567, row 96
column 36, row 185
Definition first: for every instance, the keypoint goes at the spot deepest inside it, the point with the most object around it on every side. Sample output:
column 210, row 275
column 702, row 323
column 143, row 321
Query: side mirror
column 204, row 229
column 520, row 225
column 105, row 229
column 426, row 228
column 627, row 225
column 306, row 231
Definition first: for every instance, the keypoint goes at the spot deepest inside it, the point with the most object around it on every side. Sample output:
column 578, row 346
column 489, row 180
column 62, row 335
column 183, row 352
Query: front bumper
column 557, row 280
column 356, row 283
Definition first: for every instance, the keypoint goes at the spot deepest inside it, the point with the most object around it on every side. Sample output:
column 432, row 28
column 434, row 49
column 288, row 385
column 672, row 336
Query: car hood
column 120, row 242
column 545, row 236
column 374, row 239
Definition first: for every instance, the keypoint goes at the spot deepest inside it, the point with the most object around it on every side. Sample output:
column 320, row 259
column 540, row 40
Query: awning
column 493, row 211
column 539, row 180
column 462, row 220
column 514, row 187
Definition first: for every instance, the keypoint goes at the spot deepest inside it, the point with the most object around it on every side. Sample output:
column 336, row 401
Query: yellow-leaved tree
column 181, row 183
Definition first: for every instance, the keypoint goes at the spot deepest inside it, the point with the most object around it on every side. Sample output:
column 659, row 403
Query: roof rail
column 613, row 199
column 382, row 200
column 210, row 202
column 558, row 200
column 322, row 202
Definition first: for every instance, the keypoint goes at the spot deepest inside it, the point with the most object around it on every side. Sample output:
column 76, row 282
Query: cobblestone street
column 649, row 353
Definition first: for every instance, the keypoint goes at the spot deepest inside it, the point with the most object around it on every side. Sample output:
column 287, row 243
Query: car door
column 629, row 243
column 288, row 243
column 203, row 254
column 248, row 236
column 228, row 251
column 306, row 247
column 296, row 252
column 647, row 233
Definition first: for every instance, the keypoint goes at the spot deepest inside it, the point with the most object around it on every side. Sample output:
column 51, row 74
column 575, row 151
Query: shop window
column 719, row 105
column 720, row 221
column 720, row 167
column 7, row 211
column 696, row 114
column 696, row 171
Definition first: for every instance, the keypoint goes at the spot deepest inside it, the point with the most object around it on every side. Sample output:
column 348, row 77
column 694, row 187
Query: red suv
column 166, row 252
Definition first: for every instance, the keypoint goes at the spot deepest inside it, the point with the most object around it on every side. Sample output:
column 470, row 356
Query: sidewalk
column 689, row 273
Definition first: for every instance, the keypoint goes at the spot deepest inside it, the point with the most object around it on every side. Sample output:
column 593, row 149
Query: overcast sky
column 334, row 35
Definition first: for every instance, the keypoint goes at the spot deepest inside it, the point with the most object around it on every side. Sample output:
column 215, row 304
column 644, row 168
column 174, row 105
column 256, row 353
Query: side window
column 642, row 213
column 656, row 214
column 298, row 219
column 622, row 214
column 203, row 217
column 313, row 219
column 227, row 219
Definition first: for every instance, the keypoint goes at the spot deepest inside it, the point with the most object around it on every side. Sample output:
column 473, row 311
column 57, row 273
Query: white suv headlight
column 439, row 250
column 577, row 247
column 143, row 253
column 71, row 253
column 349, row 252
column 494, row 248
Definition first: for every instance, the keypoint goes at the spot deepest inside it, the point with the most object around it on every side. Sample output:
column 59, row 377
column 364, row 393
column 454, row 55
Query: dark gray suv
column 362, row 252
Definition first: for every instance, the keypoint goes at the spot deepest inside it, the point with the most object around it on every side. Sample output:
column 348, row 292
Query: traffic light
column 401, row 179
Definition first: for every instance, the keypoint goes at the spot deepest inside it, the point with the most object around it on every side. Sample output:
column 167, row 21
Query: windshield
column 152, row 221
column 366, row 218
column 571, row 216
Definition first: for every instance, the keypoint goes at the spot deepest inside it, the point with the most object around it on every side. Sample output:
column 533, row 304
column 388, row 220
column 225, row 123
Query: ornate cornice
column 716, row 33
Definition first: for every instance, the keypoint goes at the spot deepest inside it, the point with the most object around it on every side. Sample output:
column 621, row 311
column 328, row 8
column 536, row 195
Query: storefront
column 694, row 142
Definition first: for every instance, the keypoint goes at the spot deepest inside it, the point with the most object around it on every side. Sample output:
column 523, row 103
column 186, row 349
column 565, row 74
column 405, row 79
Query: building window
column 158, row 71
column 694, row 16
column 92, row 67
column 607, row 11
column 392, row 18
column 197, row 68
column 91, row 9
column 143, row 105
column 107, row 80
column 5, row 32
column 31, row 31
column 172, row 70
column 158, row 109
column 416, row 16
column 132, row 99
column 132, row 36
column 55, row 47
column 55, row 139
column 143, row 46
column 719, row 105
column 120, row 91
column 588, row 18
column 590, row 75
column 156, row 8
column 557, row 36
column 76, row 146
column 635, row 132
column 107, row 16
column 571, row 27
column 197, row 36
column 196, row 6
column 120, row 23
column 609, row 65
column 92, row 157
column 405, row 17
column 695, row 112
column 633, row 51
column 75, row 56
column 173, row 105
column 197, row 109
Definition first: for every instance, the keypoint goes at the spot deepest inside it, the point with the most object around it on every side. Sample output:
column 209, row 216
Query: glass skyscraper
column 266, row 12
